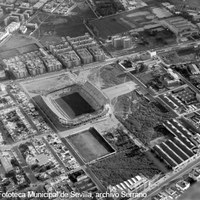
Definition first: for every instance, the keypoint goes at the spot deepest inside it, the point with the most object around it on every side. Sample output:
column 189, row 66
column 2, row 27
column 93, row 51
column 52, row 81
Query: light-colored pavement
column 118, row 90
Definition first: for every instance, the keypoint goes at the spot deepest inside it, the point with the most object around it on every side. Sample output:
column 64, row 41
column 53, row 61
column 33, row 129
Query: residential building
column 97, row 53
column 85, row 56
column 182, row 185
column 69, row 59
column 13, row 26
column 127, row 42
column 124, row 42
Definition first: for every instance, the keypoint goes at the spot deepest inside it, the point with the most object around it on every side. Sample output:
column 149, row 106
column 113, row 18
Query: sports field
column 74, row 105
column 90, row 145
column 123, row 22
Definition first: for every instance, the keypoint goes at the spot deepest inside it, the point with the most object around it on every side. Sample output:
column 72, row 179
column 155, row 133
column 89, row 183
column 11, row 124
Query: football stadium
column 72, row 105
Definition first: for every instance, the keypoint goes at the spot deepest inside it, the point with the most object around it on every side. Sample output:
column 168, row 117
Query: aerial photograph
column 99, row 99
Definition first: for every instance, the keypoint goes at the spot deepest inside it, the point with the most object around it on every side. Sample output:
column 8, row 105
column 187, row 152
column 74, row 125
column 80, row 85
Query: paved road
column 177, row 175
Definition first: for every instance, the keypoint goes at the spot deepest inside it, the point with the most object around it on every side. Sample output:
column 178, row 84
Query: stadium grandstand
column 72, row 105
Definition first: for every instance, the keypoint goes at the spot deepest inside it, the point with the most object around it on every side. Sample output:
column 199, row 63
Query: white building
column 3, row 35
column 13, row 26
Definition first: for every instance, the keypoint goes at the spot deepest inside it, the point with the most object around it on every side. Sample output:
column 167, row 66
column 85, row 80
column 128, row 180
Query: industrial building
column 180, row 149
column 180, row 26
column 134, row 185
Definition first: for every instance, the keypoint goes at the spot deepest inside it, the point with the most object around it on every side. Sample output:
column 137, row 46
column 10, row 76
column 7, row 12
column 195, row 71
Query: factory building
column 180, row 149
column 133, row 185
column 180, row 26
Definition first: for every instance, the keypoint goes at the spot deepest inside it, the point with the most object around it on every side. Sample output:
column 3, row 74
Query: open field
column 19, row 50
column 189, row 3
column 15, row 43
column 47, row 84
column 90, row 145
column 108, row 76
column 55, row 26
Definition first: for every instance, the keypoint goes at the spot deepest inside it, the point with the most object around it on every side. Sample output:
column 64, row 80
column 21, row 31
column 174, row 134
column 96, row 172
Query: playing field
column 123, row 22
column 74, row 105
column 90, row 145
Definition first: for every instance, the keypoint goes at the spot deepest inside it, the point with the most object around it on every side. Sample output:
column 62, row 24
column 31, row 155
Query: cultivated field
column 90, row 145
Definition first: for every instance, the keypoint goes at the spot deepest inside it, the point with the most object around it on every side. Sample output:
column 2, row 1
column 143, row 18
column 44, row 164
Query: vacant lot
column 125, row 165
column 47, row 84
column 55, row 26
column 108, row 76
column 17, row 44
column 90, row 145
